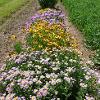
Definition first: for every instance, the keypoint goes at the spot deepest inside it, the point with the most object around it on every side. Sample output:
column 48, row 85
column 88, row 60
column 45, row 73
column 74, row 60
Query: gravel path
column 10, row 27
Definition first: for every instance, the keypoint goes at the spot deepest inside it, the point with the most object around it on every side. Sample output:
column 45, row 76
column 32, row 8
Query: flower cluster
column 46, row 36
column 53, row 75
column 47, row 30
column 49, row 15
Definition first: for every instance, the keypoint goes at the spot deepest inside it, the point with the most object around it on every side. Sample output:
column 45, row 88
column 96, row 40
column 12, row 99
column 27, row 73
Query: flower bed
column 47, row 30
column 49, row 15
column 52, row 70
column 53, row 75
column 45, row 36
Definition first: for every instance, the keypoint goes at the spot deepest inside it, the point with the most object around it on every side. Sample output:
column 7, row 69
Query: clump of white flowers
column 54, row 75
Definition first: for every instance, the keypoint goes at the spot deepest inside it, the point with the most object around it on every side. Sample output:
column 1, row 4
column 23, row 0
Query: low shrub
column 18, row 47
column 47, row 3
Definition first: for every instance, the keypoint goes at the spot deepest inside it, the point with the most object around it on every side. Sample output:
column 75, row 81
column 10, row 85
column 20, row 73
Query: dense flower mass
column 49, row 15
column 45, row 76
column 52, row 70
column 46, row 36
column 47, row 30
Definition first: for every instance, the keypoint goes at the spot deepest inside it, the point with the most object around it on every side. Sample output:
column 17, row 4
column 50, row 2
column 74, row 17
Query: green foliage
column 29, row 40
column 2, row 88
column 85, row 14
column 7, row 7
column 96, row 59
column 2, row 2
column 18, row 47
column 47, row 3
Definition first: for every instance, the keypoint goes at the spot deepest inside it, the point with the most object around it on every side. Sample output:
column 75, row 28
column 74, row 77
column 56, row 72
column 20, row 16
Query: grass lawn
column 2, row 2
column 85, row 14
column 7, row 7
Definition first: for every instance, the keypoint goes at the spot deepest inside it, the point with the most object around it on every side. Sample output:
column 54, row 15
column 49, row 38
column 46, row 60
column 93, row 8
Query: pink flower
column 39, row 94
column 2, row 98
column 42, row 92
column 18, row 60
column 24, row 82
column 9, row 89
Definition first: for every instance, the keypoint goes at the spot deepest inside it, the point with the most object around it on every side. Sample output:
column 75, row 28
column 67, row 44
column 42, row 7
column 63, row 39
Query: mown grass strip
column 8, row 8
column 3, row 2
column 85, row 14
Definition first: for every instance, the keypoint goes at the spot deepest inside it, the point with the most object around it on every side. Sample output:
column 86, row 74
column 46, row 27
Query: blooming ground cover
column 52, row 75
column 50, row 69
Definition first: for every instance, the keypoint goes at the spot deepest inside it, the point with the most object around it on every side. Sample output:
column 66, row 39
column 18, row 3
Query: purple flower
column 50, row 16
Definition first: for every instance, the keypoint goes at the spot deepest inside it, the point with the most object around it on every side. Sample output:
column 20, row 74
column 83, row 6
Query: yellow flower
column 52, row 35
column 12, row 54
column 30, row 30
column 33, row 98
column 32, row 49
column 13, row 37
column 16, row 98
column 40, row 46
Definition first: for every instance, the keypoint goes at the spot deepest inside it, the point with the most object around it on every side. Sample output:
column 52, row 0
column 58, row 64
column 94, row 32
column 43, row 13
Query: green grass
column 85, row 14
column 18, row 47
column 7, row 7
column 3, row 2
